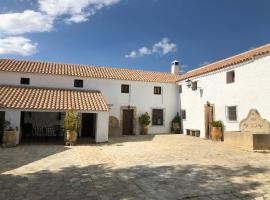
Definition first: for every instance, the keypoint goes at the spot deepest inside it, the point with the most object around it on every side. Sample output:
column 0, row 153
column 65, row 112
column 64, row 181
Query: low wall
column 247, row 140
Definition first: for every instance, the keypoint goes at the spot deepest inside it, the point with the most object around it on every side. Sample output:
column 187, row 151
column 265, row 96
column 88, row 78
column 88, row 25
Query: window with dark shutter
column 194, row 85
column 25, row 81
column 230, row 77
column 78, row 83
column 157, row 117
column 124, row 88
column 232, row 113
column 183, row 114
column 180, row 88
column 157, row 90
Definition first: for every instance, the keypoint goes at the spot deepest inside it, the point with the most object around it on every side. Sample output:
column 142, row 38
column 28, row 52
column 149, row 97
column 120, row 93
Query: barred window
column 124, row 88
column 157, row 117
column 232, row 113
column 157, row 90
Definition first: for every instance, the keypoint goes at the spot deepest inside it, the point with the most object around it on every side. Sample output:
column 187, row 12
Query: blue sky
column 136, row 34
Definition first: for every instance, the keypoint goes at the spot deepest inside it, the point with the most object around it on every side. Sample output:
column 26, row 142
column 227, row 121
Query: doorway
column 128, row 121
column 209, row 117
column 2, row 120
column 88, row 125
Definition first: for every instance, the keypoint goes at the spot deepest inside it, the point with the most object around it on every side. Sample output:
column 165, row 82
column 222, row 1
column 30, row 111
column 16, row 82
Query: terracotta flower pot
column 216, row 133
column 9, row 139
column 144, row 129
column 71, row 138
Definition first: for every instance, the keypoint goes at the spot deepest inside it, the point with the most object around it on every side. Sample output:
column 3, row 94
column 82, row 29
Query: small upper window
column 157, row 90
column 183, row 114
column 124, row 88
column 194, row 85
column 25, row 81
column 230, row 77
column 232, row 113
column 78, row 83
column 157, row 117
column 180, row 88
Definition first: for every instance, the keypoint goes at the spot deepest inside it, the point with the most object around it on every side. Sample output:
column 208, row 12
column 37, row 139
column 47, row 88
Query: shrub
column 218, row 123
column 72, row 121
column 144, row 119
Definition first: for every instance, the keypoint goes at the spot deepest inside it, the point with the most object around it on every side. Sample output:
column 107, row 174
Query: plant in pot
column 175, row 126
column 216, row 132
column 144, row 120
column 72, row 124
column 9, row 136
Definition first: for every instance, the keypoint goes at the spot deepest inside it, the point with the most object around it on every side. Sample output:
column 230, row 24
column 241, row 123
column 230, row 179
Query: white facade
column 141, row 96
column 251, row 89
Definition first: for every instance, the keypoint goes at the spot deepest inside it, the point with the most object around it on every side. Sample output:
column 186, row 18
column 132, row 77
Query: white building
column 35, row 95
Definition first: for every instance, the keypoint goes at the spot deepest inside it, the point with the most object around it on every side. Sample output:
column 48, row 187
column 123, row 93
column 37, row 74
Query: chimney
column 175, row 68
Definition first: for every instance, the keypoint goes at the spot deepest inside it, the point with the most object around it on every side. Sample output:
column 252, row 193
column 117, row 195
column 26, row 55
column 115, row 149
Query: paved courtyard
column 136, row 167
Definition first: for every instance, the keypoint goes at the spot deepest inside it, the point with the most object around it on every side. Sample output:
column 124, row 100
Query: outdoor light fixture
column 189, row 83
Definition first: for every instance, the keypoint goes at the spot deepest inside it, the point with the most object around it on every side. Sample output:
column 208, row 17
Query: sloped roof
column 248, row 55
column 16, row 97
column 12, row 65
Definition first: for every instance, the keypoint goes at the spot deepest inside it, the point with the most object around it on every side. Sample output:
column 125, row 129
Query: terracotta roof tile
column 16, row 97
column 248, row 55
column 12, row 65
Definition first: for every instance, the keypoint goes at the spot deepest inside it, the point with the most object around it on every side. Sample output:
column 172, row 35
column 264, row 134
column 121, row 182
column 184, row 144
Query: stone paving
column 135, row 167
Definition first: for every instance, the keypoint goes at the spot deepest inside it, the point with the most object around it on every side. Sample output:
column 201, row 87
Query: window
column 183, row 114
column 25, row 81
column 232, row 113
column 230, row 77
column 124, row 88
column 78, row 83
column 157, row 117
column 194, row 85
column 157, row 90
column 180, row 88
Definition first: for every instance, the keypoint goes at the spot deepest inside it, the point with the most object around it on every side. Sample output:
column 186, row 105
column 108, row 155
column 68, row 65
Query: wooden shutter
column 194, row 85
column 230, row 77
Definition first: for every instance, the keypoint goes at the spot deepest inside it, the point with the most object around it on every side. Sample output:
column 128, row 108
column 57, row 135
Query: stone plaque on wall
column 254, row 123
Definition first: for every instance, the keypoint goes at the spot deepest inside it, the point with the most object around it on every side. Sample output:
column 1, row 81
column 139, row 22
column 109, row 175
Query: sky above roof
column 135, row 34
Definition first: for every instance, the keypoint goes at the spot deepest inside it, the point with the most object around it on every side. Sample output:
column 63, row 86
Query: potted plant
column 72, row 124
column 216, row 132
column 144, row 120
column 175, row 126
column 9, row 136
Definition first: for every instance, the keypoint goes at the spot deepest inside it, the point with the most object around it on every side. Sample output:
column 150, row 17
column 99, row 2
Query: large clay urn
column 144, row 129
column 9, row 139
column 71, row 137
column 216, row 133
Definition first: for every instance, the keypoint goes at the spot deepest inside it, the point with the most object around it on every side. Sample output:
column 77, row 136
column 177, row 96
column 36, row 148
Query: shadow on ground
column 139, row 182
column 114, row 140
column 12, row 158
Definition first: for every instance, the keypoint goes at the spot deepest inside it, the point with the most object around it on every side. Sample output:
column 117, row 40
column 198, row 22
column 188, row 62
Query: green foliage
column 176, row 118
column 218, row 123
column 72, row 121
column 5, row 125
column 144, row 119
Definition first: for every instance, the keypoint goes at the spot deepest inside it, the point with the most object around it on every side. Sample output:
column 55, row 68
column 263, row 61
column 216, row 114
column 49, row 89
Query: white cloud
column 162, row 47
column 25, row 22
column 17, row 45
column 76, row 11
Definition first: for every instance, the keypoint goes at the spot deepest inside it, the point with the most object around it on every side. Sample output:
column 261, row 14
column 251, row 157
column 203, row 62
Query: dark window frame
column 78, row 83
column 232, row 115
column 230, row 77
column 25, row 81
column 194, row 85
column 125, row 88
column 183, row 114
column 180, row 89
column 157, row 90
column 157, row 117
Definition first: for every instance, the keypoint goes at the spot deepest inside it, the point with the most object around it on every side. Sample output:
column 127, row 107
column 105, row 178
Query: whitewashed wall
column 251, row 89
column 141, row 94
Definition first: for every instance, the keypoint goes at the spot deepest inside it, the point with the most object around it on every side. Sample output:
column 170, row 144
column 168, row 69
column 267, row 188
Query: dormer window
column 25, row 81
column 78, row 83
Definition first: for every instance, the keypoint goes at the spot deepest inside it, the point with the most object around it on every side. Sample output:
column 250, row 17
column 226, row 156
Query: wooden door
column 2, row 120
column 127, row 122
column 209, row 117
column 88, row 125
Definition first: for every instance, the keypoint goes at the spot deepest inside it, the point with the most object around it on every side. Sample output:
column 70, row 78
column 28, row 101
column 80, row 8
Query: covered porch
column 37, row 114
